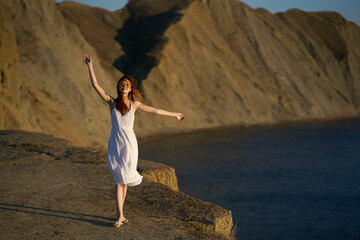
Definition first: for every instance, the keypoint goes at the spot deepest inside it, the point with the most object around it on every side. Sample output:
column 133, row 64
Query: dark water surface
column 294, row 181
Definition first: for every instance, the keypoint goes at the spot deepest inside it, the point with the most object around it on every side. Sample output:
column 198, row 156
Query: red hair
column 120, row 105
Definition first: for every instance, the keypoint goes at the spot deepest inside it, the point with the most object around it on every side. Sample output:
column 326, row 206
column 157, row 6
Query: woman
column 122, row 154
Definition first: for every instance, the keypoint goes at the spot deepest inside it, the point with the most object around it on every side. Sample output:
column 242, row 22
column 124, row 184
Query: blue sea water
column 290, row 181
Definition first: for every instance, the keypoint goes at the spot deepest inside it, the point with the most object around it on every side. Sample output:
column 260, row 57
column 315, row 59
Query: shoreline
column 145, row 140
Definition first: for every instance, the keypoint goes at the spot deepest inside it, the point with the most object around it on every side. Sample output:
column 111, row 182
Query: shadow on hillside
column 142, row 39
column 57, row 213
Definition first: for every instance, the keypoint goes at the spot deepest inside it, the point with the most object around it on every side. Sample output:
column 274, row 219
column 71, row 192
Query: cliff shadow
column 142, row 40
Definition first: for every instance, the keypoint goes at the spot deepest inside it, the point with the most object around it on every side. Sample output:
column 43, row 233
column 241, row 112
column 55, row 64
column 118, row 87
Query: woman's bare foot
column 123, row 220
column 118, row 223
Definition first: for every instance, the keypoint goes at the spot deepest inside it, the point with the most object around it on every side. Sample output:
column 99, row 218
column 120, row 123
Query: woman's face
column 125, row 86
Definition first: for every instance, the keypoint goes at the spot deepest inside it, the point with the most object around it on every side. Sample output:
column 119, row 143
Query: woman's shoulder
column 112, row 102
column 136, row 104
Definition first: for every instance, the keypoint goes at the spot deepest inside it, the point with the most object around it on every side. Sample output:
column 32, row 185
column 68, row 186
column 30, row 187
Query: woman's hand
column 87, row 59
column 107, row 98
column 180, row 116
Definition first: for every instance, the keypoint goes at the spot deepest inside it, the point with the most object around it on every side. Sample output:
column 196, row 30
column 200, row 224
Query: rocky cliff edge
column 51, row 189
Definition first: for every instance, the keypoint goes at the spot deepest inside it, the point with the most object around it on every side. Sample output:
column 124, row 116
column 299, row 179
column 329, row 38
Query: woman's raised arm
column 148, row 109
column 88, row 60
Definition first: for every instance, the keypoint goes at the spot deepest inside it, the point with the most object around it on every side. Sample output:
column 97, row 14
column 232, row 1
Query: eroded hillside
column 221, row 63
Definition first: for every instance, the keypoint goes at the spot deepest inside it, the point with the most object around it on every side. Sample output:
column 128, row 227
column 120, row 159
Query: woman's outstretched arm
column 88, row 60
column 148, row 109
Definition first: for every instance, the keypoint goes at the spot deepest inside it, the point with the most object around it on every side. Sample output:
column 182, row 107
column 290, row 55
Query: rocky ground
column 52, row 190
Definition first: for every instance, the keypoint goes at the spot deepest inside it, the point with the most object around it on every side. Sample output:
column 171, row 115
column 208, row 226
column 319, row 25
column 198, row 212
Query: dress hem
column 131, row 183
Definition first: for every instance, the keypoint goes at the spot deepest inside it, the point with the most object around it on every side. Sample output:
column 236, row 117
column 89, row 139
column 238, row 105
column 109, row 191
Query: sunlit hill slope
column 220, row 63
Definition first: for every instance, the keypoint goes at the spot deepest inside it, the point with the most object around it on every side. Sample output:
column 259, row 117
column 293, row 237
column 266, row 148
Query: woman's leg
column 124, row 189
column 124, row 196
column 119, row 190
column 124, row 192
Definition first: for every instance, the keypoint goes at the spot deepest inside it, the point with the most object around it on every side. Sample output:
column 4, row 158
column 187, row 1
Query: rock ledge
column 51, row 189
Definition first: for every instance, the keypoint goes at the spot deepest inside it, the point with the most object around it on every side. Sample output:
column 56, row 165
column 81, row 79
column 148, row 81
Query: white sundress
column 122, row 155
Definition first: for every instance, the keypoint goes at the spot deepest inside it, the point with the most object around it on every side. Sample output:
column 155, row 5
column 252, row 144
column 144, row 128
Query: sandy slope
column 221, row 63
